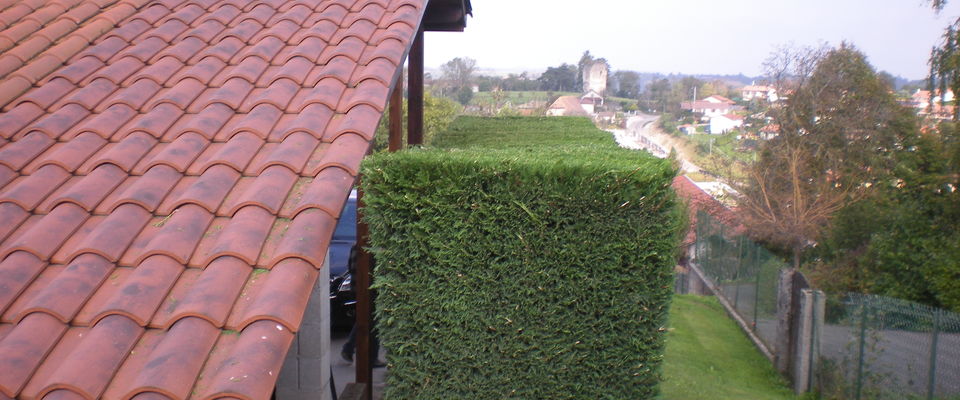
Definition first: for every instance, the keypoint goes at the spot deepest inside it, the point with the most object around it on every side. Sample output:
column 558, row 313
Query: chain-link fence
column 860, row 346
column 745, row 273
column 875, row 347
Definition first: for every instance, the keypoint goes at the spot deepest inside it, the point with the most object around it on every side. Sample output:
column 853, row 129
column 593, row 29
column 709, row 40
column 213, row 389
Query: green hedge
column 522, row 273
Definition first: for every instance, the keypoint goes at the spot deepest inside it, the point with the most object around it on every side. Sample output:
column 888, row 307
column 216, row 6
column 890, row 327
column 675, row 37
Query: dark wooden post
column 396, row 116
column 364, row 319
column 415, row 91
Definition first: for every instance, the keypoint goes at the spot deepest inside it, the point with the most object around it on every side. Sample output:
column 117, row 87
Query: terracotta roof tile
column 141, row 290
column 80, row 69
column 28, row 191
column 171, row 170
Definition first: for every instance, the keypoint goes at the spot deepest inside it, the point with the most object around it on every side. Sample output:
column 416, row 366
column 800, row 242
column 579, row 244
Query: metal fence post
column 932, row 379
column 864, row 309
column 756, row 290
column 736, row 277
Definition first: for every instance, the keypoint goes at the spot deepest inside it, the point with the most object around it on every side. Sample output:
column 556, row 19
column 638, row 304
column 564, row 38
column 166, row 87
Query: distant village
column 713, row 114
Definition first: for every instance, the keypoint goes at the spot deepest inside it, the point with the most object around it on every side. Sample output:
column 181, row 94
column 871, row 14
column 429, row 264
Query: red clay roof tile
column 72, row 154
column 89, row 368
column 93, row 188
column 58, row 123
column 361, row 119
column 13, row 313
column 19, row 153
column 29, row 191
column 44, row 96
column 24, row 349
column 178, row 111
column 158, row 72
column 117, row 112
column 268, row 191
column 203, row 71
column 141, row 291
column 80, row 69
column 150, row 189
column 252, row 363
column 68, row 342
column 111, row 237
column 309, row 227
column 243, row 236
column 92, row 93
column 209, row 189
column 117, row 71
column 318, row 194
column 179, row 236
column 17, row 271
column 68, row 291
column 124, row 154
column 327, row 92
column 105, row 49
column 283, row 297
column 173, row 365
column 312, row 119
column 212, row 295
column 345, row 152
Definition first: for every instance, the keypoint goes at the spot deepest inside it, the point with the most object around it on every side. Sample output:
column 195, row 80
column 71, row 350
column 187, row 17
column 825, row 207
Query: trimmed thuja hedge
column 527, row 274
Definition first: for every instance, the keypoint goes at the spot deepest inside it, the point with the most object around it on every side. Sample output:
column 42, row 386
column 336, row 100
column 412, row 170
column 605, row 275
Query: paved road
column 642, row 133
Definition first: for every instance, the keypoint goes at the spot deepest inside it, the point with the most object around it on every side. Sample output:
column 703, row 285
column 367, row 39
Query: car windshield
column 347, row 225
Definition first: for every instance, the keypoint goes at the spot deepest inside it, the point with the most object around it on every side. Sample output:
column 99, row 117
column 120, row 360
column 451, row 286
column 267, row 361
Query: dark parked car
column 342, row 255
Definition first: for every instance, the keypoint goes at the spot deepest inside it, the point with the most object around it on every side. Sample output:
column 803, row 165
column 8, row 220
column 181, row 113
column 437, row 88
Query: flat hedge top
column 560, row 162
column 507, row 132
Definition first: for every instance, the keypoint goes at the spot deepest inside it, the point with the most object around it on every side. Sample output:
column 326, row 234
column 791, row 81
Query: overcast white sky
column 690, row 36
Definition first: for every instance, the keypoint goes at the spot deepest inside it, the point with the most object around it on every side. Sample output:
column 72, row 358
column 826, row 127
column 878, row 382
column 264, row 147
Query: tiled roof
column 171, row 172
column 720, row 99
column 698, row 200
column 570, row 106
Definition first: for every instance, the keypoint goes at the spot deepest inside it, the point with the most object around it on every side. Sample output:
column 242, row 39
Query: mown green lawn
column 519, row 97
column 708, row 357
column 505, row 132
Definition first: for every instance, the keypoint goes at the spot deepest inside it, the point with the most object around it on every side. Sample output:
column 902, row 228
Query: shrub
column 522, row 273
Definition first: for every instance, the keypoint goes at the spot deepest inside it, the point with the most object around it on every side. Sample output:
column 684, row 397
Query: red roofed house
column 171, row 172
column 719, row 99
column 936, row 107
column 769, row 131
column 567, row 106
column 760, row 92
column 697, row 200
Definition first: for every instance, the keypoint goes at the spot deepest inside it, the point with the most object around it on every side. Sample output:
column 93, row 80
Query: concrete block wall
column 306, row 370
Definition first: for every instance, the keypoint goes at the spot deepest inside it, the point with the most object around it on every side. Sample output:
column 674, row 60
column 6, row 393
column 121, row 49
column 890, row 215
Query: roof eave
column 446, row 15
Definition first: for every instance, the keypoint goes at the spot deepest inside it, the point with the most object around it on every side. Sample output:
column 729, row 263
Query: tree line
column 857, row 190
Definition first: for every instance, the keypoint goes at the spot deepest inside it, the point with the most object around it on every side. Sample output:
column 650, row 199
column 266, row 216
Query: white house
column 725, row 123
column 761, row 92
column 709, row 109
column 590, row 101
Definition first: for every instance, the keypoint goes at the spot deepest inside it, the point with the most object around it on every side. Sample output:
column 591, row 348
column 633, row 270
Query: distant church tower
column 595, row 77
